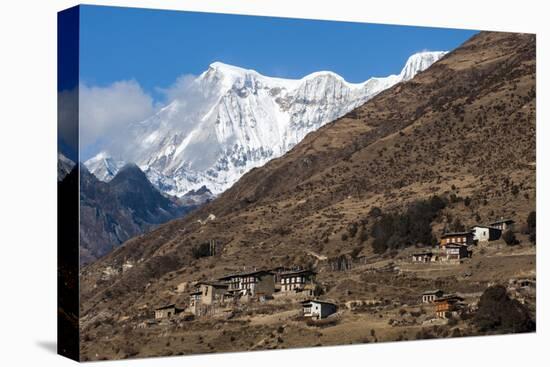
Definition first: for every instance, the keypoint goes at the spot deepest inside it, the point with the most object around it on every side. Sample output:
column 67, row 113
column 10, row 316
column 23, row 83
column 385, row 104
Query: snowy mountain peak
column 233, row 119
column 103, row 166
column 229, row 69
column 419, row 62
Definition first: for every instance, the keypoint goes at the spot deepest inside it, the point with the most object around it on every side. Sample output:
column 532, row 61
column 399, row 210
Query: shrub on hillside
column 510, row 238
column 202, row 250
column 412, row 227
column 498, row 312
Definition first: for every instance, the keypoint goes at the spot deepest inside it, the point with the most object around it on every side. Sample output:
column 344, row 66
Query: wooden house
column 296, row 279
column 432, row 295
column 254, row 283
column 317, row 309
column 486, row 233
column 447, row 306
column 466, row 238
column 456, row 251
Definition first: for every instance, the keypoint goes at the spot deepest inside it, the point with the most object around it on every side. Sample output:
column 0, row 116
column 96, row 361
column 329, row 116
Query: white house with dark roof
column 318, row 309
column 431, row 295
column 486, row 233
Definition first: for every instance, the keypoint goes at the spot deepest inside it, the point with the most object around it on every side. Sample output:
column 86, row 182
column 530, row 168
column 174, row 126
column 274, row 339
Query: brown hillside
column 464, row 127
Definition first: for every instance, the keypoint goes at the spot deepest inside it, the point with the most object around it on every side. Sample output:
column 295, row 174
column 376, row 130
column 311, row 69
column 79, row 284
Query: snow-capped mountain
column 103, row 166
column 229, row 120
column 64, row 166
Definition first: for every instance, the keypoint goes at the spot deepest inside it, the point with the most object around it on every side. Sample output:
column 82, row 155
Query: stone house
column 503, row 224
column 486, row 233
column 317, row 309
column 296, row 279
column 254, row 283
column 432, row 295
column 166, row 312
column 211, row 292
column 195, row 302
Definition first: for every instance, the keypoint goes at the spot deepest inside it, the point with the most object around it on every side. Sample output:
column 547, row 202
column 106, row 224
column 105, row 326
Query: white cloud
column 106, row 112
column 180, row 88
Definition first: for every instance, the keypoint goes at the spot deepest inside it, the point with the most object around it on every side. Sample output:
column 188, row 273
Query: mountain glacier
column 229, row 120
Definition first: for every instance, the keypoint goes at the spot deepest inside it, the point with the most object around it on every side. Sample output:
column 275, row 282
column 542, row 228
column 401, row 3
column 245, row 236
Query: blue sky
column 154, row 47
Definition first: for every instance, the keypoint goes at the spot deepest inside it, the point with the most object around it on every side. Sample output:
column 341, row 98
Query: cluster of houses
column 455, row 246
column 220, row 295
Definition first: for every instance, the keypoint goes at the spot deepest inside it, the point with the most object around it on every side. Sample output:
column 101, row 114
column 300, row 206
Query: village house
column 486, row 233
column 503, row 224
column 432, row 295
column 448, row 306
column 456, row 251
column 211, row 292
column 296, row 279
column 423, row 257
column 466, row 238
column 317, row 309
column 166, row 312
column 254, row 283
column 195, row 302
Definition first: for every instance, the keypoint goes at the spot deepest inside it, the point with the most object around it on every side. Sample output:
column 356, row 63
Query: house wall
column 265, row 285
column 207, row 296
column 481, row 234
column 292, row 282
column 422, row 258
column 503, row 226
column 465, row 239
column 165, row 313
column 327, row 309
column 427, row 298
column 484, row 234
column 319, row 310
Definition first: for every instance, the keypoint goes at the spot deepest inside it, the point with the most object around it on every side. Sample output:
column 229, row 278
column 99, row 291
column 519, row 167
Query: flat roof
column 295, row 272
column 448, row 297
column 433, row 291
column 213, row 283
column 317, row 301
column 172, row 305
column 244, row 274
column 484, row 226
column 503, row 221
column 423, row 253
